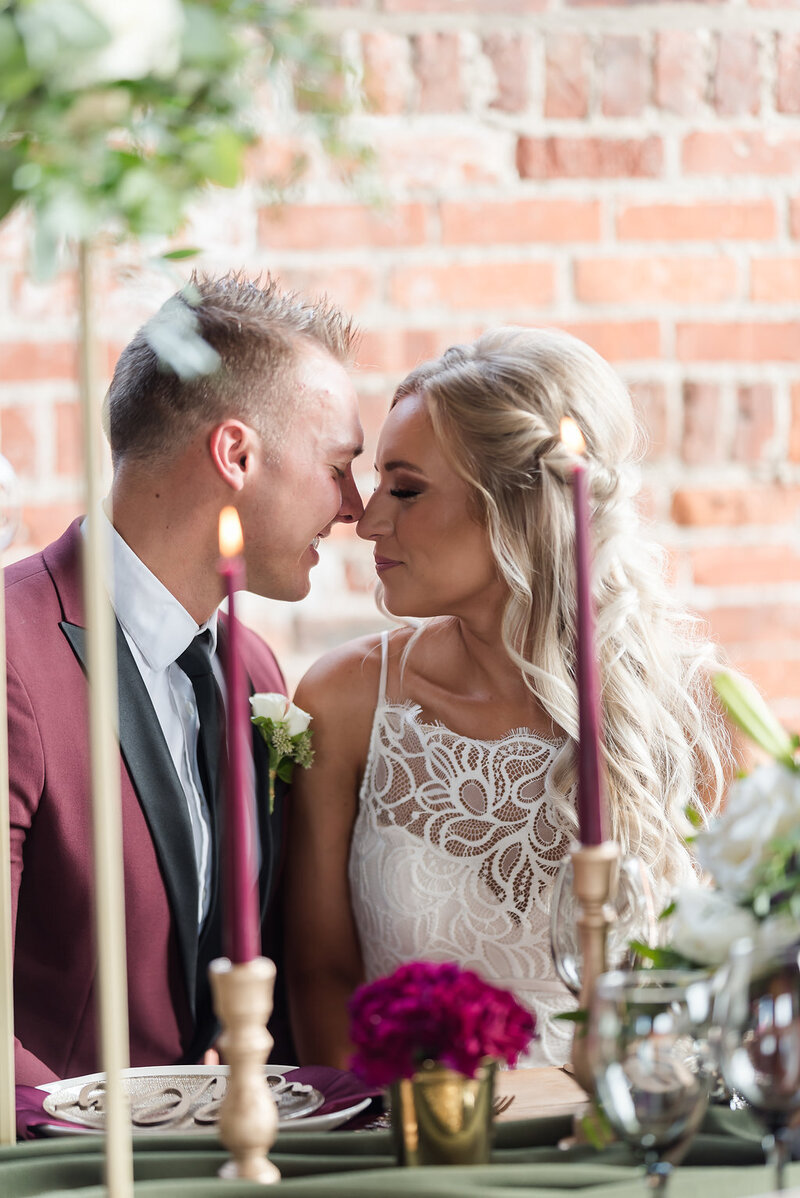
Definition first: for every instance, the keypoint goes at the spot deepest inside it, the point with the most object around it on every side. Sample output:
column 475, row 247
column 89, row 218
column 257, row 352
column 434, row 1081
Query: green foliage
column 748, row 710
column 90, row 149
column 777, row 886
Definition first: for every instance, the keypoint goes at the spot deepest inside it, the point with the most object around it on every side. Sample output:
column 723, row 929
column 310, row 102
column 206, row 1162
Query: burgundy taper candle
column 240, row 892
column 590, row 798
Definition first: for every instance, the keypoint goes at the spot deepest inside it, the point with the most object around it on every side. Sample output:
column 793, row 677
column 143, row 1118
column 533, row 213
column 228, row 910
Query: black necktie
column 196, row 664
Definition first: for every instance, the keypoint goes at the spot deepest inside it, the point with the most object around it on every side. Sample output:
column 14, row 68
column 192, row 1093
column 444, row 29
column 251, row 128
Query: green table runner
column 725, row 1161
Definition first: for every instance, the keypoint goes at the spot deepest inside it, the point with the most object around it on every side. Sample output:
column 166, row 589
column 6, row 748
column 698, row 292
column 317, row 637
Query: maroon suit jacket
column 55, row 961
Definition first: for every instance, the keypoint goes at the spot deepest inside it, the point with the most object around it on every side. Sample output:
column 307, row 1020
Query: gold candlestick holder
column 248, row 1121
column 595, row 877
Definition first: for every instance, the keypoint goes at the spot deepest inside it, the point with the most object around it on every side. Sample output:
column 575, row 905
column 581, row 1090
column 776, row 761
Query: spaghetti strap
column 384, row 667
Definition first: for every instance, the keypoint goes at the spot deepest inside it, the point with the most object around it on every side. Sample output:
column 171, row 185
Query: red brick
column 623, row 341
column 738, row 342
column 755, row 424
column 736, row 78
column 787, row 91
column 652, row 415
column 775, row 677
column 612, row 4
column 279, row 160
column 474, row 285
column 42, row 524
column 729, row 507
column 388, row 77
column 354, row 289
column 398, row 350
column 341, row 226
column 566, row 76
column 437, row 66
column 756, row 623
column 680, row 72
column 492, row 7
column 27, row 361
column 69, row 433
column 741, row 152
column 733, row 565
column 702, row 406
column 703, row 220
column 794, row 428
column 671, row 280
column 794, row 217
column 626, row 79
column 589, row 157
column 519, row 221
column 18, row 428
column 510, row 56
column 413, row 158
column 775, row 280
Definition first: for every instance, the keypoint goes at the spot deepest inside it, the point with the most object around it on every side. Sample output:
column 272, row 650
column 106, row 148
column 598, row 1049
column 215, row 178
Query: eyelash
column 400, row 493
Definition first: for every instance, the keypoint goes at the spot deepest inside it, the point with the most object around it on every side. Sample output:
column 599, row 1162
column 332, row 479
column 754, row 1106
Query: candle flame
column 231, row 540
column 571, row 436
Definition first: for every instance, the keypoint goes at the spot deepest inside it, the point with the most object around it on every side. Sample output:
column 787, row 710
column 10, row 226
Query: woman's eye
column 400, row 493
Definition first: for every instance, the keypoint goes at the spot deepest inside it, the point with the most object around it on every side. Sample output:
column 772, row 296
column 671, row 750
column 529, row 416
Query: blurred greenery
column 114, row 114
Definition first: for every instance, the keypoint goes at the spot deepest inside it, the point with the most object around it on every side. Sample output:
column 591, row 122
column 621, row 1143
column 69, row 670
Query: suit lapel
column 159, row 792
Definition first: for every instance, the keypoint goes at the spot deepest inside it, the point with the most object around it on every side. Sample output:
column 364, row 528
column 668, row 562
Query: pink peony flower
column 434, row 1011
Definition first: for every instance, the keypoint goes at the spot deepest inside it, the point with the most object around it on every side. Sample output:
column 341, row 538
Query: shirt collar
column 160, row 626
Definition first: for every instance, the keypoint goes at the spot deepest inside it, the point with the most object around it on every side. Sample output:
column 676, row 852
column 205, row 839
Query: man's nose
column 352, row 507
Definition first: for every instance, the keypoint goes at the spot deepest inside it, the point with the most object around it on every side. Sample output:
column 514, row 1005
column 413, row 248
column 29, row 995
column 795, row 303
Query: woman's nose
column 374, row 521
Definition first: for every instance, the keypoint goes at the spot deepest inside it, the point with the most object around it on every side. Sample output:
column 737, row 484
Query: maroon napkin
column 30, row 1113
column 341, row 1090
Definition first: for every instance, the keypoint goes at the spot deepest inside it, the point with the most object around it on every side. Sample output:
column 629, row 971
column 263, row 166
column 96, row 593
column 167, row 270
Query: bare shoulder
column 341, row 688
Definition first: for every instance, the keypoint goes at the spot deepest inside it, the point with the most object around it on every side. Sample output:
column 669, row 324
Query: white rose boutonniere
column 286, row 732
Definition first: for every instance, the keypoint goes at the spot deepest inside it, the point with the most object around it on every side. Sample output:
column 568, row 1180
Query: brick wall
column 628, row 172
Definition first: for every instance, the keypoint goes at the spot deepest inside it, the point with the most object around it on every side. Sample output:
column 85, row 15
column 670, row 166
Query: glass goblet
column 647, row 1050
column 756, row 1033
column 634, row 919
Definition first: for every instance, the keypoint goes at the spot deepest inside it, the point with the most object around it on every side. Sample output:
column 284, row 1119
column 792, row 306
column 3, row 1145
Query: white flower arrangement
column 751, row 852
column 285, row 729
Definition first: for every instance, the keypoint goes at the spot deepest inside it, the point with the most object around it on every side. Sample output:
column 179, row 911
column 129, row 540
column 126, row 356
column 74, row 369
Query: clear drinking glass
column 635, row 919
column 648, row 1052
column 756, row 1034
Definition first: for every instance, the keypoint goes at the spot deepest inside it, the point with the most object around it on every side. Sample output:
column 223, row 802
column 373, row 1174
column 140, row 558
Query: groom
column 235, row 393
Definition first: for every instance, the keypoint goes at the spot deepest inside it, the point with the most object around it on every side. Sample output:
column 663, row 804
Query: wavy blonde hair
column 496, row 406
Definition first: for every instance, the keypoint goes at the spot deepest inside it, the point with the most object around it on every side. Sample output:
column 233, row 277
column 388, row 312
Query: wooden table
column 538, row 1093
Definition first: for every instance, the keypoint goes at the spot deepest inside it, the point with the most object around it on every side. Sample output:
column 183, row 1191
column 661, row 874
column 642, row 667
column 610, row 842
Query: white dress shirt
column 158, row 629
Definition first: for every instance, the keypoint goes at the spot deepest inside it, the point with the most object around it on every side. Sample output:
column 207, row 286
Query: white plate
column 299, row 1123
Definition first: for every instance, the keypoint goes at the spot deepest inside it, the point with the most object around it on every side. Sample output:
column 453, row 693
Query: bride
column 442, row 795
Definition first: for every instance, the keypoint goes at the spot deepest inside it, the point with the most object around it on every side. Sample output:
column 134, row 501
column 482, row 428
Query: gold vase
column 441, row 1117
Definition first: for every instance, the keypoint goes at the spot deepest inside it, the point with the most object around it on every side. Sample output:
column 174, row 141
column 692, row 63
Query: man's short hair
column 221, row 347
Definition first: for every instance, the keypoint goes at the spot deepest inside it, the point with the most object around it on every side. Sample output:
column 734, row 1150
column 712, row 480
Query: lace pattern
column 453, row 857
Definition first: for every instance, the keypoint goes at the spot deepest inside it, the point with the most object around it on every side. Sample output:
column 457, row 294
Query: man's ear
column 231, row 446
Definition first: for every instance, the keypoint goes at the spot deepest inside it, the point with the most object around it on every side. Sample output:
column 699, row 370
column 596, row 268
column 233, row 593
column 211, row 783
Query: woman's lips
column 382, row 564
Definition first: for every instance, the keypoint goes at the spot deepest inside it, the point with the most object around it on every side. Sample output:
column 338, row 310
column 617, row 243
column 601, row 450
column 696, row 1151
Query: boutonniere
column 287, row 735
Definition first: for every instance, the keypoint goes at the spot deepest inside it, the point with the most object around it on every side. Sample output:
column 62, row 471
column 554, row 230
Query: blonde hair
column 496, row 406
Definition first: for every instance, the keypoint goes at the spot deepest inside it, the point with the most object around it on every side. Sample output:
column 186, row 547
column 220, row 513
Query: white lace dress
column 454, row 852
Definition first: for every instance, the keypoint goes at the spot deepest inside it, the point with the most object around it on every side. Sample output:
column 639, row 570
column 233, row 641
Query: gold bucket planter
column 441, row 1117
